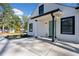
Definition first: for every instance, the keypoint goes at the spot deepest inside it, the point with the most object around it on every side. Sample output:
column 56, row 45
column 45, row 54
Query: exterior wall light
column 36, row 20
column 45, row 22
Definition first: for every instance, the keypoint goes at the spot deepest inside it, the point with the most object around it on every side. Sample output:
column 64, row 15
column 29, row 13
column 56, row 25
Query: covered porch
column 42, row 26
column 45, row 24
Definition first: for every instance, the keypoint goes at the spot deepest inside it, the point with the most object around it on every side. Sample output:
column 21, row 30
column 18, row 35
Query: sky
column 26, row 9
column 23, row 8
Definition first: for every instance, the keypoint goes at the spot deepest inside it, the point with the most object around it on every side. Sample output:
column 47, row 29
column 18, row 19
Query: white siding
column 67, row 11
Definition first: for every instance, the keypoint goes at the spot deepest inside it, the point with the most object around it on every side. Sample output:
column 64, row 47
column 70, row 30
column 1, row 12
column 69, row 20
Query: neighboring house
column 66, row 24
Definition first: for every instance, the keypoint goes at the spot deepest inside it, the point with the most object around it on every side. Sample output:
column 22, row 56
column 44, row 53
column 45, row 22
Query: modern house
column 59, row 21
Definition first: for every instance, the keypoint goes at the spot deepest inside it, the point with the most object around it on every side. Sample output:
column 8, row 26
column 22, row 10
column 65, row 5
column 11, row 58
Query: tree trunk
column 3, row 29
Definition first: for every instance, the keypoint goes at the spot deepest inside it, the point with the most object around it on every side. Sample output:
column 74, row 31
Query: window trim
column 39, row 9
column 73, row 24
column 29, row 27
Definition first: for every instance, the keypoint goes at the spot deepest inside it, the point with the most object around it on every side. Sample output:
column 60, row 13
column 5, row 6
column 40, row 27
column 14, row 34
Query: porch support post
column 36, row 28
column 52, row 27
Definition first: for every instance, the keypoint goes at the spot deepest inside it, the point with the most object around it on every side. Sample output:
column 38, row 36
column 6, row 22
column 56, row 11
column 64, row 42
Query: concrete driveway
column 35, row 47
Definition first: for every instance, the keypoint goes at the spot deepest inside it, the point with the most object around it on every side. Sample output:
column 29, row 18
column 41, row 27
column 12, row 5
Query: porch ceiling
column 45, row 17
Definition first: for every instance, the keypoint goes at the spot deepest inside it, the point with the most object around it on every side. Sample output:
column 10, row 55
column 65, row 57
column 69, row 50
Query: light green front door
column 50, row 29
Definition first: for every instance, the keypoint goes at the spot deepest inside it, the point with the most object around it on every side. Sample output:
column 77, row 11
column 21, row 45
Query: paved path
column 35, row 47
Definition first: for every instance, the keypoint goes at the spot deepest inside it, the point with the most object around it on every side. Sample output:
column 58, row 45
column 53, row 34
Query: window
column 41, row 9
column 68, row 25
column 30, row 27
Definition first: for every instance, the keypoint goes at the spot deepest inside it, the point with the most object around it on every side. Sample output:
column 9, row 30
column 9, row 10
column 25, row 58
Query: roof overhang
column 46, row 13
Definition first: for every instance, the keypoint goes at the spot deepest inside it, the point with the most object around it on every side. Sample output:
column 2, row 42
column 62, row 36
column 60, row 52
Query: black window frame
column 31, row 27
column 41, row 9
column 73, row 25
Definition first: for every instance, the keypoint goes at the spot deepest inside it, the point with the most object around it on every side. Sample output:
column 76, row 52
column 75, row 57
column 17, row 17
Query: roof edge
column 45, row 13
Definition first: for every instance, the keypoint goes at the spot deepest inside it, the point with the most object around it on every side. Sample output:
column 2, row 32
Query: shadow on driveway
column 63, row 45
column 4, row 47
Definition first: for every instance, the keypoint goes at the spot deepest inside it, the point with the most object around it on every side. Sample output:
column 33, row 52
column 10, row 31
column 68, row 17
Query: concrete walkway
column 35, row 47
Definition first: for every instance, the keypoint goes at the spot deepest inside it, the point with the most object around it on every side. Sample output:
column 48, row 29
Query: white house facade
column 65, row 19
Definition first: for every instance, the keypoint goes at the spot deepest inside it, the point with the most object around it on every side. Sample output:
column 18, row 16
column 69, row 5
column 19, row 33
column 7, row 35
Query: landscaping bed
column 17, row 36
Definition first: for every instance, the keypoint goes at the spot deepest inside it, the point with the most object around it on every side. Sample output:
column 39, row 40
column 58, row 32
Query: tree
column 25, row 23
column 7, row 14
column 9, row 20
column 17, row 24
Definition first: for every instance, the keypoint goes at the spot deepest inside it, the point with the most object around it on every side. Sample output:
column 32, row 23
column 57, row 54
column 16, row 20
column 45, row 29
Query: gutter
column 45, row 13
